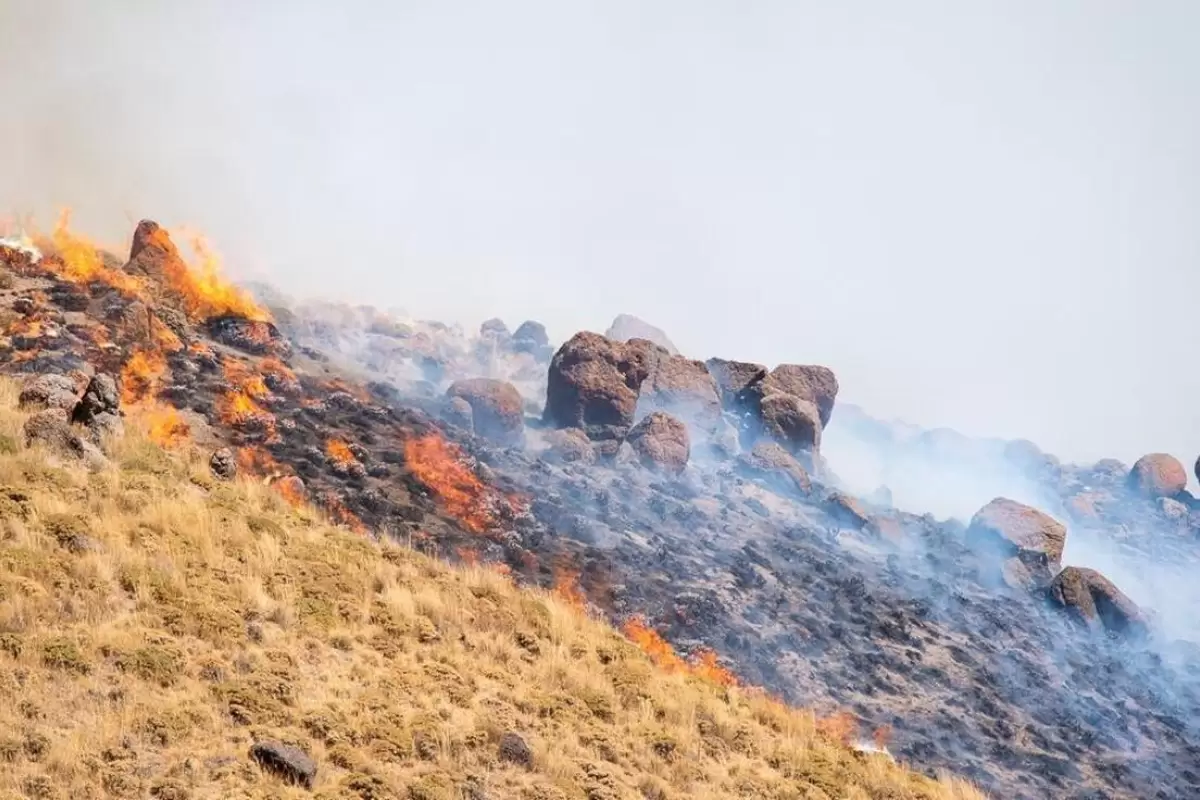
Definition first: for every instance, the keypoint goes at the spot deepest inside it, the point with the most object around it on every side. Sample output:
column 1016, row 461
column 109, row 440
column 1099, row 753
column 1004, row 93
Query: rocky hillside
column 168, row 634
column 689, row 499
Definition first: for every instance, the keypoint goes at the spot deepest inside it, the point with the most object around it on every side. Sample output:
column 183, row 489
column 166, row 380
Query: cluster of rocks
column 73, row 415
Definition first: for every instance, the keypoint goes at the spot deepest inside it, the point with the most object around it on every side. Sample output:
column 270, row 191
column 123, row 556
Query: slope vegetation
column 155, row 623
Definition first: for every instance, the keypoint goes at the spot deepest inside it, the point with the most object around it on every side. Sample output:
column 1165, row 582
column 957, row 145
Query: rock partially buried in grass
column 515, row 750
column 223, row 464
column 286, row 762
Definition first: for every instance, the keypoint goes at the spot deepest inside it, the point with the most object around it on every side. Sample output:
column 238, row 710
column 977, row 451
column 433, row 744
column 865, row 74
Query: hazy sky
column 980, row 215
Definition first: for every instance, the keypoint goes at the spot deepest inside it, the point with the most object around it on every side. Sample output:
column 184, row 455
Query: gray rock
column 515, row 750
column 289, row 763
column 627, row 326
column 48, row 391
column 223, row 464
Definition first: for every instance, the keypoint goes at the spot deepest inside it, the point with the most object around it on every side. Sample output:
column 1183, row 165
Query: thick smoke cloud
column 981, row 216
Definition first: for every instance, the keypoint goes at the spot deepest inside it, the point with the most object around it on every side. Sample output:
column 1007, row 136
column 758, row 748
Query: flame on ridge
column 704, row 665
column 205, row 291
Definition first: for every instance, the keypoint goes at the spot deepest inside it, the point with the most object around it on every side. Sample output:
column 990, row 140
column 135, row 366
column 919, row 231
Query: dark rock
column 1093, row 600
column 661, row 442
column 457, row 411
column 497, row 410
column 24, row 306
column 626, row 327
column 286, row 762
column 100, row 397
column 595, row 381
column 1157, row 475
column 1027, row 543
column 733, row 378
column 514, row 750
column 223, row 464
column 49, row 391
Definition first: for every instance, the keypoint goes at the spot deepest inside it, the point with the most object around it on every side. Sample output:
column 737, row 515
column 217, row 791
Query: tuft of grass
column 155, row 624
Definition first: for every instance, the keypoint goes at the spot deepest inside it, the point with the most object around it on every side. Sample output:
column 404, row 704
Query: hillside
column 155, row 622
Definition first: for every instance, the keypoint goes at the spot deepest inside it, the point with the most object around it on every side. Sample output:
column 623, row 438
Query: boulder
column 223, row 464
column 52, row 429
column 626, row 327
column 530, row 336
column 514, row 750
column 1157, row 475
column 683, row 388
column 286, row 762
column 594, row 381
column 733, row 378
column 1026, row 543
column 569, row 446
column 458, row 412
column 816, row 384
column 48, row 391
column 497, row 411
column 1093, row 600
column 153, row 254
column 494, row 328
column 791, row 421
column 769, row 461
column 99, row 410
column 846, row 510
column 661, row 442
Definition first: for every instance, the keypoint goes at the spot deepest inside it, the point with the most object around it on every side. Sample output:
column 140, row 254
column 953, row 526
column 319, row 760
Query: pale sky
column 981, row 215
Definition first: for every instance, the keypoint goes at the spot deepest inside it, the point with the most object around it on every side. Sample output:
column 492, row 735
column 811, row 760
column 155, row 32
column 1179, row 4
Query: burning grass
column 442, row 467
column 154, row 623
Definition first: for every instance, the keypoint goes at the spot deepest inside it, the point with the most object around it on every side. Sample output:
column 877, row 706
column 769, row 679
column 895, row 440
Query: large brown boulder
column 816, row 384
column 593, row 382
column 661, row 442
column 153, row 255
column 1157, row 475
column 1093, row 600
column 793, row 422
column 627, row 327
column 497, row 411
column 684, row 388
column 48, row 391
column 1026, row 543
column 733, row 378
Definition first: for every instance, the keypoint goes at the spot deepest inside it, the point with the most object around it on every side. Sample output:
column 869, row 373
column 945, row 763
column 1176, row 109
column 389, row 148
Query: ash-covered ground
column 736, row 507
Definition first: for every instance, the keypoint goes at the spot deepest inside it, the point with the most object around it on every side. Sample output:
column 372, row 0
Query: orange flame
column 439, row 465
column 141, row 376
column 566, row 588
column 704, row 665
column 341, row 515
column 840, row 727
column 339, row 452
column 80, row 261
column 205, row 291
column 167, row 427
column 238, row 407
column 256, row 461
column 292, row 490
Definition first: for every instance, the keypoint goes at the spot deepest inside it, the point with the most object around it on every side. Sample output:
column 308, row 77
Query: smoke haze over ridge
column 982, row 219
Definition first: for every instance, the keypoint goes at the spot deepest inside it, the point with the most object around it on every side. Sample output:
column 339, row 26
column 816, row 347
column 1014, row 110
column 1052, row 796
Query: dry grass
column 154, row 623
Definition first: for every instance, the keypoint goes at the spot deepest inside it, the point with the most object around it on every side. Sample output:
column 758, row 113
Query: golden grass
column 154, row 623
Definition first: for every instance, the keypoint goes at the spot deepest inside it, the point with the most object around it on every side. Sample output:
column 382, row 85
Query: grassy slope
column 154, row 623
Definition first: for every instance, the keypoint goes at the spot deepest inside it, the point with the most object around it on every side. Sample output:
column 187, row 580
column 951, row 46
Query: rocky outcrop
column 52, row 429
column 733, row 378
column 661, row 442
column 594, row 382
column 627, row 327
column 791, row 421
column 791, row 404
column 1094, row 601
column 496, row 408
column 1025, row 543
column 530, row 337
column 683, row 388
column 816, row 384
column 1157, row 475
column 99, row 410
column 48, row 391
